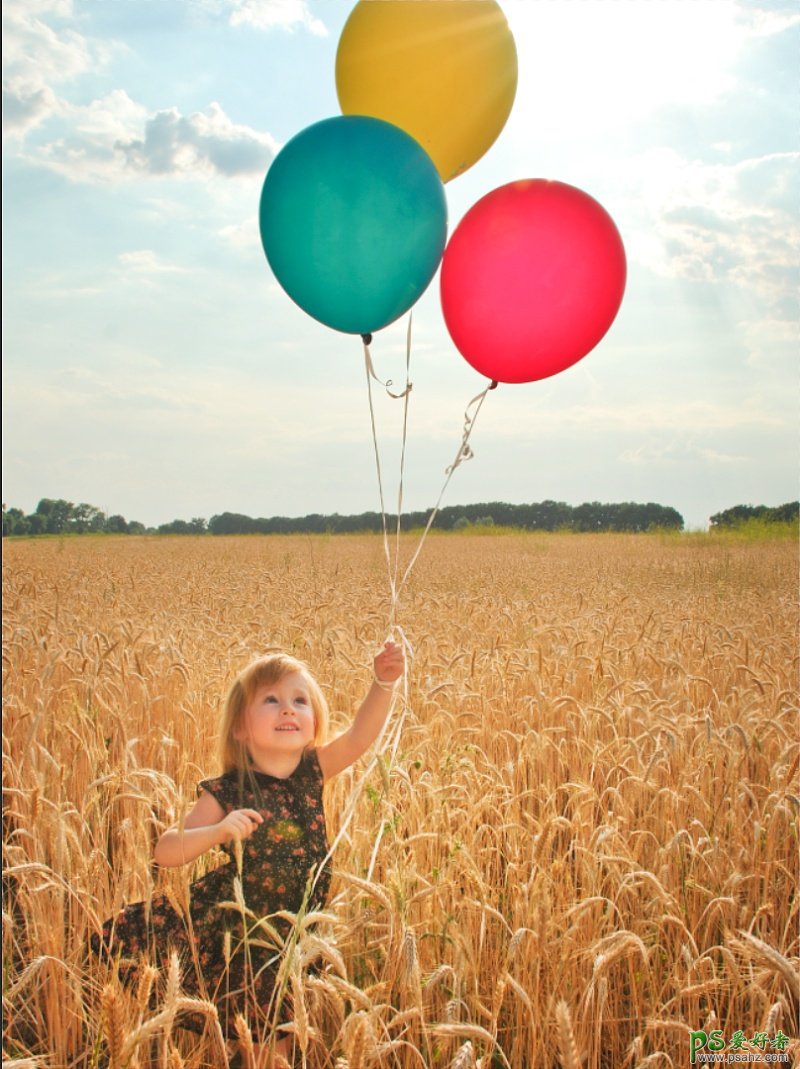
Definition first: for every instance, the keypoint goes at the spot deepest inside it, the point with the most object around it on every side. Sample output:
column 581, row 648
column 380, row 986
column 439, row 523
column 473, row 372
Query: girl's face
column 280, row 717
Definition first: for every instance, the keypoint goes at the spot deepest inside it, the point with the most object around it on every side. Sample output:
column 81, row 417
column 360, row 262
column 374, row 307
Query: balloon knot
column 494, row 384
column 367, row 339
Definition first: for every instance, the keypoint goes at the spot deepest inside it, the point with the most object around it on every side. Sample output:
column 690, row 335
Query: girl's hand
column 390, row 663
column 239, row 824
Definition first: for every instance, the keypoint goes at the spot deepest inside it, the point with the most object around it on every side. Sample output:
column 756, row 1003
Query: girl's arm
column 205, row 826
column 346, row 748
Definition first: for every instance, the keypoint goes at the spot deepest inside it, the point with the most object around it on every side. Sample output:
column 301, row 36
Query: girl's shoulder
column 309, row 779
column 225, row 788
column 309, row 767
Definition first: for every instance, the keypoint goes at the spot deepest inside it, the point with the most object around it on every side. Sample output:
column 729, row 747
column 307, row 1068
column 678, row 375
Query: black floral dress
column 225, row 954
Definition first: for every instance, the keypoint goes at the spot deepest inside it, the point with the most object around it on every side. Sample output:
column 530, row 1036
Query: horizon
column 420, row 517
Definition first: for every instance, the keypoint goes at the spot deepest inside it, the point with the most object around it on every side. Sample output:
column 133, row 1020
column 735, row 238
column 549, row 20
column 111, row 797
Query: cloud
column 24, row 107
column 679, row 451
column 272, row 14
column 86, row 151
column 113, row 139
column 720, row 222
column 526, row 415
column 147, row 262
column 37, row 58
column 206, row 141
column 241, row 236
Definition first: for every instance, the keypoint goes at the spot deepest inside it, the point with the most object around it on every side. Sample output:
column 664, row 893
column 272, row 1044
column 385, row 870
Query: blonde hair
column 265, row 672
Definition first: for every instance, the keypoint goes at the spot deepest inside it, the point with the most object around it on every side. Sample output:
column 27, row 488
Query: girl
column 267, row 808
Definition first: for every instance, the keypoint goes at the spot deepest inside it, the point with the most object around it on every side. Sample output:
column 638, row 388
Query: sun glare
column 592, row 62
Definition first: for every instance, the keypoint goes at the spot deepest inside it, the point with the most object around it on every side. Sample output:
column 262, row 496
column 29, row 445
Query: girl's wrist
column 384, row 684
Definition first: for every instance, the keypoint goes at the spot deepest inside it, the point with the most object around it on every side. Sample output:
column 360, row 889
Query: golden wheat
column 582, row 846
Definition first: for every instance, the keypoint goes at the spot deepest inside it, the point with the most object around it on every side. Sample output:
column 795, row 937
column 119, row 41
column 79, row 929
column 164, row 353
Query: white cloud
column 681, row 452
column 529, row 414
column 242, row 235
column 208, row 141
column 771, row 343
column 276, row 14
column 24, row 107
column 205, row 404
column 715, row 221
column 147, row 262
column 35, row 58
column 87, row 151
column 113, row 139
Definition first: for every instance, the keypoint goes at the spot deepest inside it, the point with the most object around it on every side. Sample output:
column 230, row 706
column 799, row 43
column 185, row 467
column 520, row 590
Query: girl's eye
column 302, row 701
column 270, row 698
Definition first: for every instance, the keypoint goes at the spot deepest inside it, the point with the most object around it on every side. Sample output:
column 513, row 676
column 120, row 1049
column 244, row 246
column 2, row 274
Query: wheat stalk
column 115, row 1026
column 568, row 1048
column 772, row 958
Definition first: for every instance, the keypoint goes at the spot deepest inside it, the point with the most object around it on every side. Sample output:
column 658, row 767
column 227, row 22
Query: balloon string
column 390, row 736
column 370, row 373
column 391, row 732
column 464, row 453
column 367, row 339
column 405, row 395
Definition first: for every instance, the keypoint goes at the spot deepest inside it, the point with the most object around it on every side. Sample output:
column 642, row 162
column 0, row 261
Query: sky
column 154, row 367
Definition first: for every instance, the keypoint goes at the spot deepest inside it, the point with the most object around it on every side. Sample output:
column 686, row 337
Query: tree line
column 741, row 514
column 57, row 516
column 544, row 516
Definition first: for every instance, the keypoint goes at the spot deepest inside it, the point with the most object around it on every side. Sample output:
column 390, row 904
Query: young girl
column 267, row 807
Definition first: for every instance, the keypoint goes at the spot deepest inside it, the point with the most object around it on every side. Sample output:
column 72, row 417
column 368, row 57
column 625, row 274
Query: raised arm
column 206, row 825
column 370, row 717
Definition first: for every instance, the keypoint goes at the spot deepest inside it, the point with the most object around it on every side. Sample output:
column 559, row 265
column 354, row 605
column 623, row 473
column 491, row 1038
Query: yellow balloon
column 445, row 71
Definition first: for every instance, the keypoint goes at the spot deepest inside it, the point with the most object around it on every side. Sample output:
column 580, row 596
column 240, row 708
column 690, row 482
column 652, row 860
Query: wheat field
column 578, row 843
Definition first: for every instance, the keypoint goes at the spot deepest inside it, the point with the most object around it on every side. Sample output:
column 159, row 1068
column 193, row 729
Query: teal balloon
column 353, row 221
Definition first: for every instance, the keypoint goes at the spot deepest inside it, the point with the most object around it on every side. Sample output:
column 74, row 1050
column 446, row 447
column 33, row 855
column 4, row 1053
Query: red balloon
column 532, row 279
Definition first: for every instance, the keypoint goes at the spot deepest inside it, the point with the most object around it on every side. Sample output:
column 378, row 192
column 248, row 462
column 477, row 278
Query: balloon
column 531, row 280
column 353, row 221
column 443, row 70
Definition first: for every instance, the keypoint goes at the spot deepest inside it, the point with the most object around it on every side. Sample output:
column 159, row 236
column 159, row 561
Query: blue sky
column 154, row 367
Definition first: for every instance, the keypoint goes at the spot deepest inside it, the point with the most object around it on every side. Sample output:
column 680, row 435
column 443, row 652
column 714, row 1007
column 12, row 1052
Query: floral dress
column 220, row 948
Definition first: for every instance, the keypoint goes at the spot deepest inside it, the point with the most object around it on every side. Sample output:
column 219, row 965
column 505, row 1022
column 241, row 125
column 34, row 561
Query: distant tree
column 788, row 513
column 547, row 516
column 739, row 514
column 56, row 513
column 232, row 523
column 15, row 522
column 732, row 516
column 85, row 517
column 317, row 523
column 198, row 525
column 589, row 517
column 134, row 527
column 176, row 527
column 117, row 525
